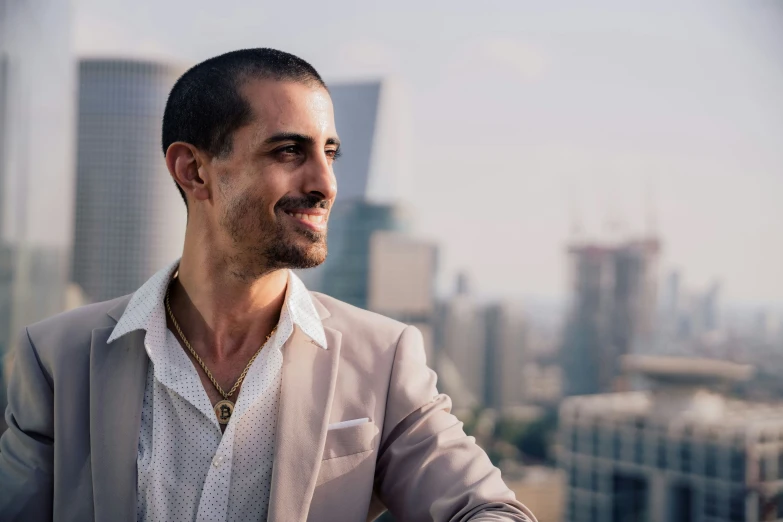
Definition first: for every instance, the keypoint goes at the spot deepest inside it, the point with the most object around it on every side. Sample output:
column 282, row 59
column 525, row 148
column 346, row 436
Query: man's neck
column 226, row 315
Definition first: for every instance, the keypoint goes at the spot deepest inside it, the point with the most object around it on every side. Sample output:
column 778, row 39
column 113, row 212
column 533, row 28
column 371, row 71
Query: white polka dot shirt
column 188, row 470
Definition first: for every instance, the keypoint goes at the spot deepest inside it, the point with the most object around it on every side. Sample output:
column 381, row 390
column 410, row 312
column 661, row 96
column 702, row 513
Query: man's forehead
column 281, row 103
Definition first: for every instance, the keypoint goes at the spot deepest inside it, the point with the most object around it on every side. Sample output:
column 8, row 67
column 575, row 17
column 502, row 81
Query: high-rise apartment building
column 130, row 218
column 461, row 340
column 6, row 253
column 612, row 311
column 36, row 187
column 356, row 108
column 682, row 452
column 505, row 356
column 37, row 124
column 402, row 281
column 3, row 118
column 402, row 276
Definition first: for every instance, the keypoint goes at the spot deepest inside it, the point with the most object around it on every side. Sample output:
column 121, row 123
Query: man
column 222, row 389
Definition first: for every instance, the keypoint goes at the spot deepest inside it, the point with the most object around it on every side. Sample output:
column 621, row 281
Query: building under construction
column 612, row 311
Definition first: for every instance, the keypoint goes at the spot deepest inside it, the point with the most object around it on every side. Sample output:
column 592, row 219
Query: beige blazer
column 74, row 414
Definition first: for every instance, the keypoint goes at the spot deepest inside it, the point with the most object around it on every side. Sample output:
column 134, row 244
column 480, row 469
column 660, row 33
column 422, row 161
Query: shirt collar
column 148, row 300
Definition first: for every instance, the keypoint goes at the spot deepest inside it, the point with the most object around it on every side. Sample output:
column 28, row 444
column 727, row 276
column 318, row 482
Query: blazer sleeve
column 428, row 469
column 27, row 446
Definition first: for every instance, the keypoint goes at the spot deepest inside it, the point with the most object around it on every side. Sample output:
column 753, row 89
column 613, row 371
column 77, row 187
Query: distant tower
column 462, row 343
column 130, row 219
column 36, row 163
column 612, row 311
column 711, row 307
column 506, row 343
column 356, row 117
column 463, row 284
column 3, row 124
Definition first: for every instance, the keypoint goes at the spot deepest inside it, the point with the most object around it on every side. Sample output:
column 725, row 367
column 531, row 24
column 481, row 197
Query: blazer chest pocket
column 345, row 449
column 342, row 442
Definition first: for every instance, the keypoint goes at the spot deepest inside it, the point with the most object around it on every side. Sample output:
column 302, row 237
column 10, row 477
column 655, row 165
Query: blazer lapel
column 117, row 380
column 309, row 377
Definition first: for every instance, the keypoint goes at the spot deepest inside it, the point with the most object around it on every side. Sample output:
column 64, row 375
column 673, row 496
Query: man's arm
column 27, row 446
column 428, row 469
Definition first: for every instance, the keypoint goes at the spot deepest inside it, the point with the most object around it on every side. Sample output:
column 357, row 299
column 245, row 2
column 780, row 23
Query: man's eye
column 290, row 149
column 334, row 154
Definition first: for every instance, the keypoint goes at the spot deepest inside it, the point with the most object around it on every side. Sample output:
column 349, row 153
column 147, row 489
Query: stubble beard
column 261, row 246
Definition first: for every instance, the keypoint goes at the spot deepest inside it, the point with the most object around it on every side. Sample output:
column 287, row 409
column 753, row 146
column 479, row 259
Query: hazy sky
column 512, row 120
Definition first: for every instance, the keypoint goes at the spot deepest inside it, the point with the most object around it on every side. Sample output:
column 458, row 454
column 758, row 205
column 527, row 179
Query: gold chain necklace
column 224, row 408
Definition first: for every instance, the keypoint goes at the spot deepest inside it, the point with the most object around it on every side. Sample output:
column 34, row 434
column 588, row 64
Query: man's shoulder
column 358, row 321
column 73, row 328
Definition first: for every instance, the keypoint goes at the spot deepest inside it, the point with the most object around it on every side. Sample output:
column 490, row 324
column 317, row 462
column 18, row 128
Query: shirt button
column 217, row 461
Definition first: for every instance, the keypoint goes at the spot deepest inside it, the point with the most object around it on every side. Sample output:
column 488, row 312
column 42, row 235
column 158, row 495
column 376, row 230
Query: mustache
column 309, row 201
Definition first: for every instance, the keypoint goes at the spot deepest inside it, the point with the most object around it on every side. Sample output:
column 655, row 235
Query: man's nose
column 320, row 178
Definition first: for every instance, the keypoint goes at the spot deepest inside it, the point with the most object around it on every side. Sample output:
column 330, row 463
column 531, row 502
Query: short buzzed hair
column 206, row 106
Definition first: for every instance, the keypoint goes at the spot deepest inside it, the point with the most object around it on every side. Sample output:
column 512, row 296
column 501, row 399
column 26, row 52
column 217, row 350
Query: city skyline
column 583, row 114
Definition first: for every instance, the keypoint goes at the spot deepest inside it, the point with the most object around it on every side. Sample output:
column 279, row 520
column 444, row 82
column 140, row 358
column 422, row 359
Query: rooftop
column 665, row 370
column 685, row 395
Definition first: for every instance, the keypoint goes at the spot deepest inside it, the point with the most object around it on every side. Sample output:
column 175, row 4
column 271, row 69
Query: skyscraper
column 6, row 253
column 3, row 117
column 130, row 219
column 612, row 311
column 36, row 161
column 461, row 337
column 402, row 281
column 505, row 355
column 356, row 117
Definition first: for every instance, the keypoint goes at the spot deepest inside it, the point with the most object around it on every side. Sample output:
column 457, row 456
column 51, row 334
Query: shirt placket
column 213, row 505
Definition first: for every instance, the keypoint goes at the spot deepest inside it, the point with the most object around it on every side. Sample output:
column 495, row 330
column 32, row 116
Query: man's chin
column 313, row 257
column 300, row 257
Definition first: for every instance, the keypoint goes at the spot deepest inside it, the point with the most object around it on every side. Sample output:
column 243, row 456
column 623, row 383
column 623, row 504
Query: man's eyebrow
column 297, row 138
column 289, row 136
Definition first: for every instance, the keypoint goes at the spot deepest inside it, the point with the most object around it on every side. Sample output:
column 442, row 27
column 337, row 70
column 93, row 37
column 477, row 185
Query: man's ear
column 183, row 161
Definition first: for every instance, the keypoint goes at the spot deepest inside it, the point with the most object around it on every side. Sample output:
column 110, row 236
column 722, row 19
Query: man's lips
column 312, row 218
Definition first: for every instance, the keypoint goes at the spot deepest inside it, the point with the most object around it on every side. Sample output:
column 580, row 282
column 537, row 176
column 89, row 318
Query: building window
column 595, row 480
column 737, row 507
column 710, row 503
column 594, row 512
column 685, row 456
column 638, row 447
column 596, row 439
column 780, row 465
column 616, row 446
column 737, row 465
column 662, row 454
column 630, row 497
column 711, row 461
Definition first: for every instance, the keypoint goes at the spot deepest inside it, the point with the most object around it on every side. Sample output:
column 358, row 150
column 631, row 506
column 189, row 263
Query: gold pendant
column 223, row 410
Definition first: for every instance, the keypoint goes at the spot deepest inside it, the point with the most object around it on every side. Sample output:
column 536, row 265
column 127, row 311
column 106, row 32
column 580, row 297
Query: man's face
column 274, row 191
